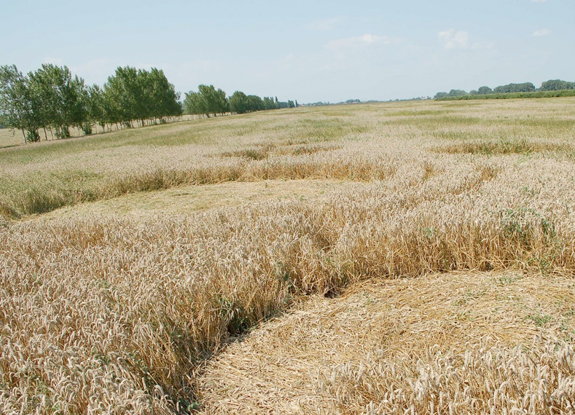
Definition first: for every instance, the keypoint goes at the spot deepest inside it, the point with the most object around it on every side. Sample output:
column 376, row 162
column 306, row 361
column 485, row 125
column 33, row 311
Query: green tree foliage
column 164, row 100
column 20, row 106
column 255, row 103
column 269, row 103
column 239, row 102
column 208, row 100
column 452, row 93
column 51, row 98
column 512, row 95
column 125, row 96
column 138, row 95
column 483, row 90
column 556, row 85
column 64, row 98
column 215, row 100
column 457, row 93
column 193, row 103
column 524, row 87
column 98, row 109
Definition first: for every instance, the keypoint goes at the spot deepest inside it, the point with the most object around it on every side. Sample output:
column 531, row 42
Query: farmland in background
column 130, row 260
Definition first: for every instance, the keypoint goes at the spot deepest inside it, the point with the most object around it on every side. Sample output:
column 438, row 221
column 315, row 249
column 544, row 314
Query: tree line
column 551, row 85
column 50, row 101
column 211, row 101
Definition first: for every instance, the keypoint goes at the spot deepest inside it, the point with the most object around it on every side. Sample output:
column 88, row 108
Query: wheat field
column 155, row 270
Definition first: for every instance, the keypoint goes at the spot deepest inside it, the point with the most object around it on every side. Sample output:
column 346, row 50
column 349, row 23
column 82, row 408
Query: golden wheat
column 110, row 313
column 437, row 344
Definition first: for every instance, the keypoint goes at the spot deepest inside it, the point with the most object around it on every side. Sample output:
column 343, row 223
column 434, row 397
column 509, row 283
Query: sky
column 309, row 51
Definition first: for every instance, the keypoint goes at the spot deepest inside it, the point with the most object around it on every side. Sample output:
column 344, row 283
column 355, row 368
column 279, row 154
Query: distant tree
column 457, row 93
column 125, row 94
column 473, row 92
column 215, row 99
column 163, row 98
column 556, row 85
column 524, row 87
column 87, row 120
column 98, row 108
column 49, row 110
column 238, row 102
column 194, row 104
column 255, row 103
column 441, row 95
column 208, row 100
column 63, row 96
column 269, row 103
column 52, row 98
column 19, row 104
column 484, row 90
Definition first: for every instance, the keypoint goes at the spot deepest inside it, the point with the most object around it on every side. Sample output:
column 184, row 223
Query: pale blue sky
column 305, row 50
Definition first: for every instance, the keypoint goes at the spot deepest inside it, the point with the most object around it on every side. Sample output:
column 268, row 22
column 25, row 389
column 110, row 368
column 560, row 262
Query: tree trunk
column 45, row 134
column 24, row 135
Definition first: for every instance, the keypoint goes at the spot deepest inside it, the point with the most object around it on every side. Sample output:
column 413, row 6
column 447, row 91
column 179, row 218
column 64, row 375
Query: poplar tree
column 206, row 101
column 64, row 100
column 239, row 102
column 19, row 105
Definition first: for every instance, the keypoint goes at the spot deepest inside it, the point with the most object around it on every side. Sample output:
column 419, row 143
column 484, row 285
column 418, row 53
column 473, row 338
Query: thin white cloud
column 454, row 40
column 539, row 1
column 326, row 25
column 360, row 41
column 541, row 32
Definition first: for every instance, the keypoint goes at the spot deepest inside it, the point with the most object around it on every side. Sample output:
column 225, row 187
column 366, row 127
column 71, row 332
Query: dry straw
column 438, row 344
column 109, row 313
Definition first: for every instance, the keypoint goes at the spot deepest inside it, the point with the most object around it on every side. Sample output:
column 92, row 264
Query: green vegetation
column 512, row 95
column 51, row 100
column 548, row 89
column 68, row 172
column 241, row 103
column 505, row 146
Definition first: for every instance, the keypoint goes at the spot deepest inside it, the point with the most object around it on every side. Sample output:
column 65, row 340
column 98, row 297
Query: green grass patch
column 503, row 146
column 434, row 123
column 415, row 113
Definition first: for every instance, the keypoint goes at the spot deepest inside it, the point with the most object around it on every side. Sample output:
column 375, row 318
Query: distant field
column 131, row 260
column 10, row 138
